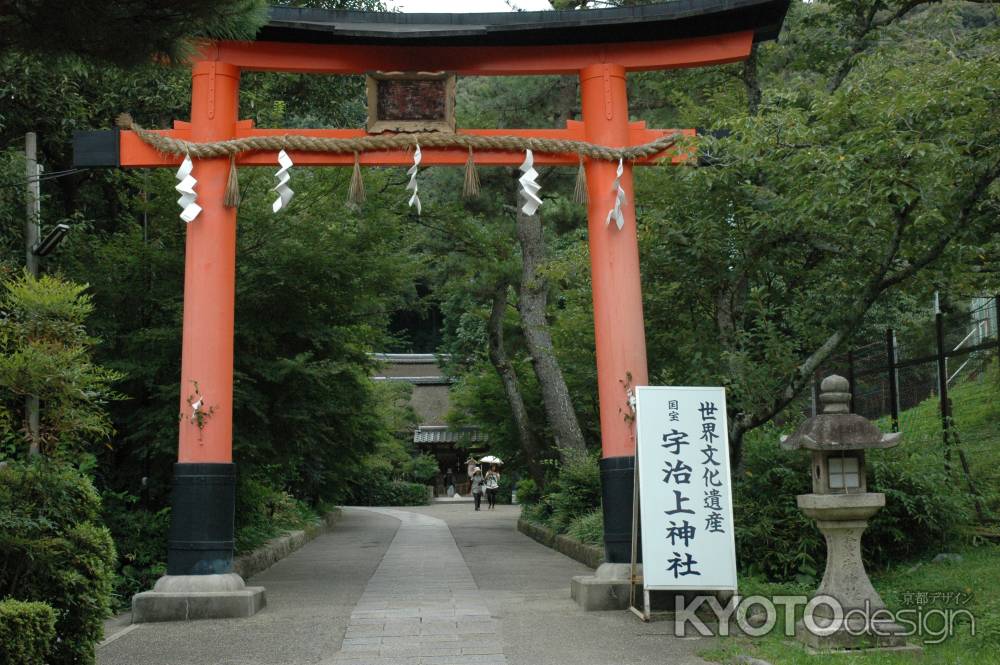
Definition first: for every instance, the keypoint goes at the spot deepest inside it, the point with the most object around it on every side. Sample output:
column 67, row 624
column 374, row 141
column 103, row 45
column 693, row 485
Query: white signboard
column 685, row 490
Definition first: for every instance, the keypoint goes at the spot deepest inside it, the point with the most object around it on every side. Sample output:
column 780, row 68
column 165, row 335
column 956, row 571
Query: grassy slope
column 976, row 414
column 976, row 408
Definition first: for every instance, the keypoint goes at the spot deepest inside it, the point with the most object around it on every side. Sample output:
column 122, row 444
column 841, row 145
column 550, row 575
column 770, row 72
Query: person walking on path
column 449, row 483
column 492, row 486
column 477, row 486
column 470, row 468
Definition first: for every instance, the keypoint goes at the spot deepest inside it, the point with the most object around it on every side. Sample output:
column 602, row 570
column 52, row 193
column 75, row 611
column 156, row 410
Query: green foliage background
column 54, row 549
column 853, row 172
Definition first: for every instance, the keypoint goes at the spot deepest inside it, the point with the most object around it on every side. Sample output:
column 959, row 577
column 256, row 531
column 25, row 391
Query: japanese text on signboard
column 685, row 492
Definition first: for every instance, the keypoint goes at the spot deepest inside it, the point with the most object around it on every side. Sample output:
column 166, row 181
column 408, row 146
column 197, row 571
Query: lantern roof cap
column 657, row 22
column 836, row 428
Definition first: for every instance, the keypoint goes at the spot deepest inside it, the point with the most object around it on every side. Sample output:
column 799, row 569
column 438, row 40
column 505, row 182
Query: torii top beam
column 683, row 33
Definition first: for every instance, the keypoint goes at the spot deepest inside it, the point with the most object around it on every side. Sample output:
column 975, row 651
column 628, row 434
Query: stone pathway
column 439, row 584
column 422, row 605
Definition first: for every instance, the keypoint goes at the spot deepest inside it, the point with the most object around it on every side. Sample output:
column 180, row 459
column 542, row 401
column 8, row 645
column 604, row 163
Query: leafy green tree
column 822, row 206
column 46, row 354
column 124, row 32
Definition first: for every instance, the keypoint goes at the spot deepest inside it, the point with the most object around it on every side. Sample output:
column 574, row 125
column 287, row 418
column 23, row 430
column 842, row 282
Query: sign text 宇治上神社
column 685, row 492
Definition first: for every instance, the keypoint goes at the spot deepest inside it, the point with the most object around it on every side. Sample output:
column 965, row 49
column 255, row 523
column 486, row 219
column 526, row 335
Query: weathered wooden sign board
column 685, row 490
column 411, row 102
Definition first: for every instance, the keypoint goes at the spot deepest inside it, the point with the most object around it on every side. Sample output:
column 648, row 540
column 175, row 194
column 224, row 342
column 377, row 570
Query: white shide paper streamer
column 282, row 189
column 412, row 172
column 189, row 209
column 616, row 212
column 195, row 408
column 529, row 188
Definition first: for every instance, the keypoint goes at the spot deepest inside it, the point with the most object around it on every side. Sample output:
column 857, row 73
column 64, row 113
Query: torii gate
column 600, row 46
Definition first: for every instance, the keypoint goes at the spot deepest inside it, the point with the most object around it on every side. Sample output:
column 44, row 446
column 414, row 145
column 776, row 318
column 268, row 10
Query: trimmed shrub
column 375, row 484
column 54, row 550
column 393, row 493
column 27, row 631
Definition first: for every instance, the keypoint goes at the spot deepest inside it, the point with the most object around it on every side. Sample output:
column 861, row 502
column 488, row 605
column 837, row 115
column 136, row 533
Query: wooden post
column 31, row 233
column 619, row 336
column 996, row 330
column 890, row 352
column 850, row 380
column 943, row 389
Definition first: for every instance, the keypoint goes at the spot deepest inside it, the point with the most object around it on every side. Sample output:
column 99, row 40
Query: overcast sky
column 466, row 6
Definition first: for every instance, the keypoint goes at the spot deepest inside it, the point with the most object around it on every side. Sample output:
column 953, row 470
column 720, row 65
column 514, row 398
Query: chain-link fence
column 939, row 384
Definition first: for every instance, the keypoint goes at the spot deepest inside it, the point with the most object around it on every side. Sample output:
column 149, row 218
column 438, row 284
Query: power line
column 48, row 176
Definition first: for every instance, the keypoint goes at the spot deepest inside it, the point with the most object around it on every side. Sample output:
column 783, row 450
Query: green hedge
column 774, row 539
column 376, row 483
column 53, row 549
column 27, row 631
column 391, row 493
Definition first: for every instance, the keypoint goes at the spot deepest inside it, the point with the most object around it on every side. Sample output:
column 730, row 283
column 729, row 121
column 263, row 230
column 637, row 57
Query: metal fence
column 906, row 367
column 937, row 383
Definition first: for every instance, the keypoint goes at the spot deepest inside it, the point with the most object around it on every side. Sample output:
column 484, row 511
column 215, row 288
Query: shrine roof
column 658, row 22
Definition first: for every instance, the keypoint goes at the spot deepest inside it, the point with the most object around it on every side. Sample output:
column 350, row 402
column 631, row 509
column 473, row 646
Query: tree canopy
column 124, row 32
column 851, row 169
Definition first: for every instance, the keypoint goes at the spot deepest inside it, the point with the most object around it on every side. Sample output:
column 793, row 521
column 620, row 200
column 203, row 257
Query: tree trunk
column 532, row 300
column 503, row 366
column 751, row 82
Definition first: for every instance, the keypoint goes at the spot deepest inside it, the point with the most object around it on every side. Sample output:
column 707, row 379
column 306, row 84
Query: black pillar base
column 203, row 505
column 617, row 482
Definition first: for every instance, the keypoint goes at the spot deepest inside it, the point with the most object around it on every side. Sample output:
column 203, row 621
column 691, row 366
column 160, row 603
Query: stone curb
column 589, row 555
column 249, row 564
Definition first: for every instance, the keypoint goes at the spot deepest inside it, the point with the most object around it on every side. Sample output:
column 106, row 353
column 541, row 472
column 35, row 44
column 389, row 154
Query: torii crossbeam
column 599, row 46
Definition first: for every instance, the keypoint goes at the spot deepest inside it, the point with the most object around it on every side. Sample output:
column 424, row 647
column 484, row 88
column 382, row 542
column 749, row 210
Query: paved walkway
column 421, row 605
column 436, row 585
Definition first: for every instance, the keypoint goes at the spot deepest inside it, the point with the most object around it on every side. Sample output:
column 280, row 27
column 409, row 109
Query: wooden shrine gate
column 599, row 46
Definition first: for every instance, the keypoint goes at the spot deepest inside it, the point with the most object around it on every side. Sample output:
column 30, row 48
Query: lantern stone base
column 848, row 614
column 852, row 634
column 190, row 597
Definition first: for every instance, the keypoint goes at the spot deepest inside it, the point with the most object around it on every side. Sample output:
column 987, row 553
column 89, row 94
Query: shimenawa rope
column 174, row 146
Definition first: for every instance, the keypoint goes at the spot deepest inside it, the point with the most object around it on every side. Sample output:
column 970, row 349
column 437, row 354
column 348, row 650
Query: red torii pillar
column 619, row 334
column 201, row 539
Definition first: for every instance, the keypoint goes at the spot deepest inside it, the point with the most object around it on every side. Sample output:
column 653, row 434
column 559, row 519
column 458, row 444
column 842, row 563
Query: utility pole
column 32, row 233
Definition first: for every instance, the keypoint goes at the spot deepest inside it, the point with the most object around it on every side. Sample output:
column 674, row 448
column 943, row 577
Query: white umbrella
column 490, row 459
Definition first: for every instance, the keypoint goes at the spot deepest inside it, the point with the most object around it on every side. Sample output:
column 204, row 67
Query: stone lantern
column 841, row 505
